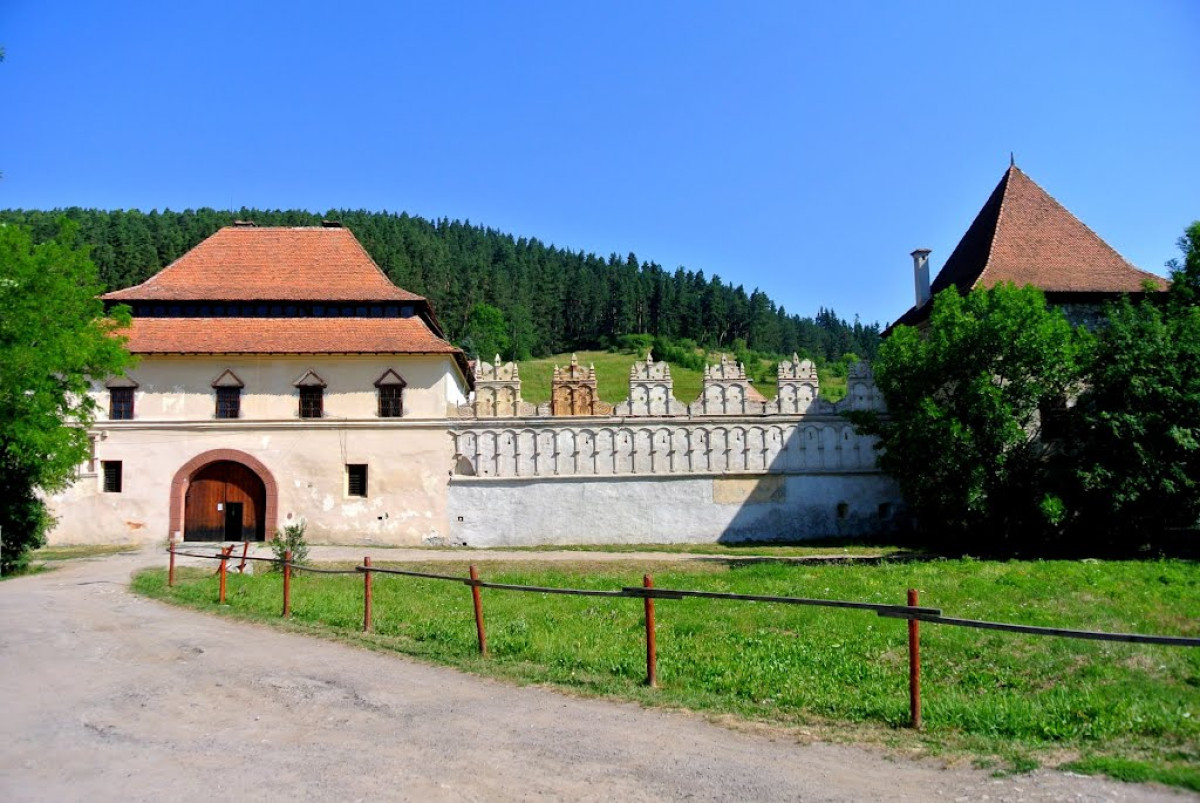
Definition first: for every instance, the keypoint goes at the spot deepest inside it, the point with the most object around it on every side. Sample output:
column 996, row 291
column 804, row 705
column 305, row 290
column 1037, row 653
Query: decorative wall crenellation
column 497, row 392
column 651, row 391
column 727, row 391
column 573, row 391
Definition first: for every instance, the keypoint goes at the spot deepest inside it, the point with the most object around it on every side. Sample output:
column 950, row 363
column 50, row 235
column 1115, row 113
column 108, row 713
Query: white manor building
column 280, row 375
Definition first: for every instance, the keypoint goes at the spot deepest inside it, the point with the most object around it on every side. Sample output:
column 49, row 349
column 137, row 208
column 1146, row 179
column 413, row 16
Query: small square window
column 391, row 401
column 356, row 479
column 229, row 402
column 112, row 476
column 120, row 404
column 312, row 402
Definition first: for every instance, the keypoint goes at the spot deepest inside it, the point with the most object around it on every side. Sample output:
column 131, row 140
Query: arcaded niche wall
column 561, row 448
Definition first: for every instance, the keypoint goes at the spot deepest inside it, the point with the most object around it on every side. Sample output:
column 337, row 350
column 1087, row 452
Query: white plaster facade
column 408, row 458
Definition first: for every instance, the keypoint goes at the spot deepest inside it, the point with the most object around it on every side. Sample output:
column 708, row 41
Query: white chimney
column 921, row 274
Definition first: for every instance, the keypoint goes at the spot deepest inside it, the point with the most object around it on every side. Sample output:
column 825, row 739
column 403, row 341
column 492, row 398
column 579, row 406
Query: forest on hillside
column 551, row 300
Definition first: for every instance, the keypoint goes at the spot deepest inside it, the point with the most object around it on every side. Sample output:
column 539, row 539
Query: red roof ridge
column 271, row 263
column 1004, row 196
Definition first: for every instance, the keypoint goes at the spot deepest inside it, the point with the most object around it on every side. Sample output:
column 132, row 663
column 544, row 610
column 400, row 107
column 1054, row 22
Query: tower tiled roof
column 247, row 263
column 1024, row 236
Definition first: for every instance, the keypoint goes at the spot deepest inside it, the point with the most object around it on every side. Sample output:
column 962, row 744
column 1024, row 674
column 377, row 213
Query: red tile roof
column 1022, row 235
column 246, row 263
column 285, row 336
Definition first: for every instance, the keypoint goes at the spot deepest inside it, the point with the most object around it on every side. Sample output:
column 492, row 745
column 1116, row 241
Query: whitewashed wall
column 669, row 509
column 563, row 481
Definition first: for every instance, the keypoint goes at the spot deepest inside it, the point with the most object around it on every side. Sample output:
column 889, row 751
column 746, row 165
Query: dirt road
column 108, row 696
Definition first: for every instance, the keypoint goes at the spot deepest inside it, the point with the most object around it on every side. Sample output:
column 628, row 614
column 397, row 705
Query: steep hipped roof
column 247, row 263
column 1022, row 235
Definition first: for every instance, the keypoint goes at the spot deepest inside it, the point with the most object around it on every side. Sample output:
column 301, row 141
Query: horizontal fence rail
column 911, row 612
column 1034, row 630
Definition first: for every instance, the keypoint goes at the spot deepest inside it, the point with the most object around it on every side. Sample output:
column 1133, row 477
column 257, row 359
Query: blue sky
column 797, row 147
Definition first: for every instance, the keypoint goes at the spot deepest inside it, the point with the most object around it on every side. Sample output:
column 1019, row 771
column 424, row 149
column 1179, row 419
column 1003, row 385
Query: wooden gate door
column 225, row 501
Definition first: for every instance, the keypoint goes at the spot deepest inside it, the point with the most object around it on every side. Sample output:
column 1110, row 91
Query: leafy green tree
column 1137, row 424
column 963, row 433
column 487, row 333
column 54, row 339
column 1185, row 273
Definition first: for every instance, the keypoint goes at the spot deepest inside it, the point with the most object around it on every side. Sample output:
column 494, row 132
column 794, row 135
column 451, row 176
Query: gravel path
column 109, row 696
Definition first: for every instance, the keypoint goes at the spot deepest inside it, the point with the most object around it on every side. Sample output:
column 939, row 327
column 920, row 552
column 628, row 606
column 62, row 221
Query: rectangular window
column 120, row 404
column 391, row 401
column 312, row 402
column 229, row 402
column 356, row 479
column 112, row 476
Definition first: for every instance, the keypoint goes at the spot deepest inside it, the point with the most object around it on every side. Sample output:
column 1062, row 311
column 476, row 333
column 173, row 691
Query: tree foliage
column 487, row 334
column 966, row 397
column 1009, row 430
column 552, row 299
column 54, row 339
column 1136, row 427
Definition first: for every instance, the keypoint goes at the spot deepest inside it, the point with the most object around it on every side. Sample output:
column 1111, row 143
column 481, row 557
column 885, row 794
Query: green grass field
column 1010, row 701
column 612, row 378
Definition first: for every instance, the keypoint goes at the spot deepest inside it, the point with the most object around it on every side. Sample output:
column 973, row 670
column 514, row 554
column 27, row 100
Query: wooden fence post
column 245, row 550
column 478, row 612
column 287, row 583
column 651, row 645
column 367, row 595
column 914, row 665
column 224, row 571
column 171, row 570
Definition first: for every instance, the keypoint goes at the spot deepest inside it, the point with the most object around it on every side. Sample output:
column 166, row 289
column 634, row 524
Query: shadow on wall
column 784, row 506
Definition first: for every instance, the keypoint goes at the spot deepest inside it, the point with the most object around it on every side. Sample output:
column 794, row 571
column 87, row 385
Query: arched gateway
column 223, row 495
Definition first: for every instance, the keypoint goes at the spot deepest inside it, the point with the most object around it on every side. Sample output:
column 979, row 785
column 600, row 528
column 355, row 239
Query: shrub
column 290, row 539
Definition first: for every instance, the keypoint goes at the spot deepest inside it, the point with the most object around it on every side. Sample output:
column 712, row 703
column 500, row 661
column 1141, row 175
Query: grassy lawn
column 56, row 553
column 1008, row 701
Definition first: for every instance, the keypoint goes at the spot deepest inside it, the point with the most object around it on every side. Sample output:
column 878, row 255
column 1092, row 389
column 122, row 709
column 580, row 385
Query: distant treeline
column 553, row 300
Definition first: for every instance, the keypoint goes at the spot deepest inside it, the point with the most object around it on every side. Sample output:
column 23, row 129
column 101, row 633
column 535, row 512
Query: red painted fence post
column 478, row 599
column 367, row 595
column 224, row 572
column 651, row 645
column 914, row 665
column 287, row 584
column 171, row 570
column 242, row 565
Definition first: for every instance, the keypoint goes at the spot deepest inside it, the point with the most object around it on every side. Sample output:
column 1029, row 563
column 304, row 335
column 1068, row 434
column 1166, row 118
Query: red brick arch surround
column 183, row 478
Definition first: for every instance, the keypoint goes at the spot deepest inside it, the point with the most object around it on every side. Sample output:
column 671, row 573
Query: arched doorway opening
column 193, row 514
column 225, row 501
